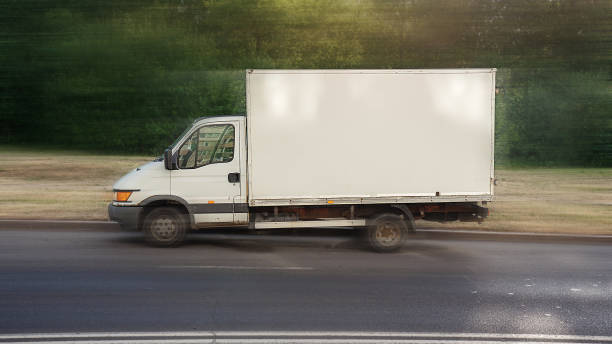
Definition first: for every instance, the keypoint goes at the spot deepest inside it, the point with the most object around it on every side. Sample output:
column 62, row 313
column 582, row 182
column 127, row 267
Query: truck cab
column 198, row 181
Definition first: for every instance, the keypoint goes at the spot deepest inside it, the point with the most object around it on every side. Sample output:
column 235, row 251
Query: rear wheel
column 387, row 233
column 165, row 227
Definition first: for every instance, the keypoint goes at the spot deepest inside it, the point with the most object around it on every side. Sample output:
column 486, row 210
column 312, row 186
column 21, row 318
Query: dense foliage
column 127, row 76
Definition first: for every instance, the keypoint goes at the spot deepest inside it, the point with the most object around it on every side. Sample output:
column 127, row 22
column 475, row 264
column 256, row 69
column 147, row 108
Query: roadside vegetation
column 129, row 76
column 77, row 186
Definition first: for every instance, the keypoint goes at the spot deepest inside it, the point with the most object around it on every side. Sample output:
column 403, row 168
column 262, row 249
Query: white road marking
column 126, row 341
column 295, row 337
column 376, row 341
column 233, row 267
column 299, row 341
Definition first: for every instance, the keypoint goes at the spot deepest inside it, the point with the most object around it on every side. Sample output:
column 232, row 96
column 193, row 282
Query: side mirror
column 169, row 162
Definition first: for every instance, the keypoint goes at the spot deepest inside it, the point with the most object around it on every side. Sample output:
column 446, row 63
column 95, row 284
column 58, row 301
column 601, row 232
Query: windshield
column 178, row 138
column 176, row 141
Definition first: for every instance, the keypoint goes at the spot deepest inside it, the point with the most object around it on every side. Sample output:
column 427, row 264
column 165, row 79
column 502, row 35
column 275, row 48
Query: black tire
column 386, row 233
column 165, row 226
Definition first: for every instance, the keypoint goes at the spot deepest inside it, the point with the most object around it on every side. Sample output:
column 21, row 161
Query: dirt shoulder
column 71, row 186
column 554, row 200
column 59, row 185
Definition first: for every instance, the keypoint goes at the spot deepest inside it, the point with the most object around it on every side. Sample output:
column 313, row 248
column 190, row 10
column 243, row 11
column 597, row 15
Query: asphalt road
column 79, row 281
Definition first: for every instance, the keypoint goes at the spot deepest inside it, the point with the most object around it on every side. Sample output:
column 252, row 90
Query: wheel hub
column 164, row 228
column 388, row 234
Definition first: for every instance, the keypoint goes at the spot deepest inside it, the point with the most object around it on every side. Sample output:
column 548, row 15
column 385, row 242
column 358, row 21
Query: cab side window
column 210, row 144
column 224, row 152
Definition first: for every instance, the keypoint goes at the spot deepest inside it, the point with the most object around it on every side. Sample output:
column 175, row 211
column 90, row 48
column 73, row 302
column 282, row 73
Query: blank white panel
column 327, row 134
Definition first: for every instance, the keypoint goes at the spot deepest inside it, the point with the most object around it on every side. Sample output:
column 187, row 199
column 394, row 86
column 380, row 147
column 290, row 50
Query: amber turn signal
column 122, row 196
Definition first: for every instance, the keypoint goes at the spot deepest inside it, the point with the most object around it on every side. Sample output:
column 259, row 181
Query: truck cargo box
column 370, row 136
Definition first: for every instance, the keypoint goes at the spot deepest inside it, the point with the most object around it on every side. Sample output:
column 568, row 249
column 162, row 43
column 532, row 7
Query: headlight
column 121, row 196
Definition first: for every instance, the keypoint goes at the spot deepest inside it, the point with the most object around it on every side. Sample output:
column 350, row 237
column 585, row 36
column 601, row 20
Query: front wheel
column 165, row 227
column 387, row 233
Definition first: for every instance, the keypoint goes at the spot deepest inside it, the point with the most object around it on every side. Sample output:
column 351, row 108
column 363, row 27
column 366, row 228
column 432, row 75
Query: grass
column 556, row 200
column 59, row 185
column 62, row 185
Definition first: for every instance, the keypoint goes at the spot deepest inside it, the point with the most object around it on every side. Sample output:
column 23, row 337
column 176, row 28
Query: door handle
column 233, row 177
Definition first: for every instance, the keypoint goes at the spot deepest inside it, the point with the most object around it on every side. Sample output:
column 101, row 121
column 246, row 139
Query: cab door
column 208, row 174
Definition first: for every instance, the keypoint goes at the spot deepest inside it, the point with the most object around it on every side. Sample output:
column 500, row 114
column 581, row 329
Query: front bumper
column 127, row 217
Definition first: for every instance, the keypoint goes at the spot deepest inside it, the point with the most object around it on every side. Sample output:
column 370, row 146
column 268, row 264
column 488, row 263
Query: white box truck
column 371, row 149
